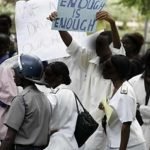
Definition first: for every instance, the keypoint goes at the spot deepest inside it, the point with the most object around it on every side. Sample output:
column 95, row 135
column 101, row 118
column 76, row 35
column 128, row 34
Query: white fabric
column 98, row 136
column 136, row 147
column 95, row 87
column 124, row 110
column 64, row 116
column 77, row 75
column 59, row 142
column 138, row 85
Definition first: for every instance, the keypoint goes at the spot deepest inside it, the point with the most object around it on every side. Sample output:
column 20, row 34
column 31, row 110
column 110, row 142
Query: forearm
column 8, row 142
column 115, row 35
column 7, row 145
column 66, row 37
column 125, row 133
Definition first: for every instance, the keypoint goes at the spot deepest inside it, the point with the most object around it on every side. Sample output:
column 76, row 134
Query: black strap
column 147, row 89
column 77, row 100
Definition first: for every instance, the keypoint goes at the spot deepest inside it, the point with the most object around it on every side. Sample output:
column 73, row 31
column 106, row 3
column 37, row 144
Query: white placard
column 34, row 34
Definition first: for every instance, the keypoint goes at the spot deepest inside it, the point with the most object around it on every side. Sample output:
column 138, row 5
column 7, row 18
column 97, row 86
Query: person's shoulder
column 134, row 79
column 124, row 88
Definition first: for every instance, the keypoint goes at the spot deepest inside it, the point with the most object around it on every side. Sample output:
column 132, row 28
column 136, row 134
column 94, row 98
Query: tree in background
column 144, row 8
column 142, row 5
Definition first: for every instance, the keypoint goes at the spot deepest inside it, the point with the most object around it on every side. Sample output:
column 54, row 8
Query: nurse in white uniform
column 64, row 111
column 122, row 129
column 141, row 86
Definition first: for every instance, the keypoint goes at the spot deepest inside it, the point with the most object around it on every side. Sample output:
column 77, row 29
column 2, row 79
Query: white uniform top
column 137, row 83
column 95, row 87
column 124, row 110
column 64, row 113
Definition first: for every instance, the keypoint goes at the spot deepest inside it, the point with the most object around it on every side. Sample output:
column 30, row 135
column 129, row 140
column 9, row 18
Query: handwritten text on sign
column 77, row 15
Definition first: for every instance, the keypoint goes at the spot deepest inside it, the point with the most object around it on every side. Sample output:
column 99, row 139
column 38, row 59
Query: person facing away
column 132, row 43
column 122, row 129
column 29, row 115
column 64, row 110
column 141, row 86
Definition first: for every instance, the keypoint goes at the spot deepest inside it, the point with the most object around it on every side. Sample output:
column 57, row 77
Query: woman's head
column 117, row 67
column 102, row 48
column 57, row 73
column 132, row 43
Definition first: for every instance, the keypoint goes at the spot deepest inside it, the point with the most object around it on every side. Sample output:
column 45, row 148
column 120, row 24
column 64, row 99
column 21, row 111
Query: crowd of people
column 37, row 101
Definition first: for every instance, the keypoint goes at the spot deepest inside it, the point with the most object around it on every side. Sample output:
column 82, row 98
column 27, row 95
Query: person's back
column 64, row 110
column 32, row 121
column 29, row 115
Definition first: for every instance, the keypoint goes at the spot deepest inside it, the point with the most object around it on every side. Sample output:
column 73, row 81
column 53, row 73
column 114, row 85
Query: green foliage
column 142, row 5
column 7, row 8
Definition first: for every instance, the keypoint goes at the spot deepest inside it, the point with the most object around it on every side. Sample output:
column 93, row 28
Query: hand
column 104, row 15
column 52, row 16
column 101, row 106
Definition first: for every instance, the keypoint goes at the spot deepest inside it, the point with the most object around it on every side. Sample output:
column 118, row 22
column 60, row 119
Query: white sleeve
column 116, row 51
column 53, row 100
column 80, row 55
column 145, row 111
column 125, row 108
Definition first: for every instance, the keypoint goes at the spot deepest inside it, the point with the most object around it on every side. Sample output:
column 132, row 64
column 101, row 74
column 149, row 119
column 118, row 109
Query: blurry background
column 130, row 16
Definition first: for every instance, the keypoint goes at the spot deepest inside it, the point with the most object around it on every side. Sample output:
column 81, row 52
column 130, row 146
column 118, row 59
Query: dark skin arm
column 125, row 133
column 103, row 15
column 65, row 36
column 8, row 142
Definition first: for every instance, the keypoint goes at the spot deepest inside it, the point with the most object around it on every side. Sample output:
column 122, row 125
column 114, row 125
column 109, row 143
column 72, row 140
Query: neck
column 117, row 83
column 27, row 83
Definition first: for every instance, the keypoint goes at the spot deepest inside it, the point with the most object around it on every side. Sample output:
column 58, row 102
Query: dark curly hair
column 60, row 68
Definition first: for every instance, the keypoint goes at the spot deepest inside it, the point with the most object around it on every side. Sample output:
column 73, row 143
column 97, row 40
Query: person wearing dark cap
column 122, row 129
column 4, row 47
column 29, row 115
column 132, row 43
column 141, row 86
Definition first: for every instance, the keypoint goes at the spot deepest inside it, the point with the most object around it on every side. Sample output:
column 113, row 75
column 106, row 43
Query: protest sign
column 77, row 15
column 34, row 34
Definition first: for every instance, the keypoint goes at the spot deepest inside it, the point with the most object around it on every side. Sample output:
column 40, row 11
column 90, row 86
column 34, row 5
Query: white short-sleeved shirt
column 124, row 110
column 64, row 113
column 95, row 87
column 137, row 83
